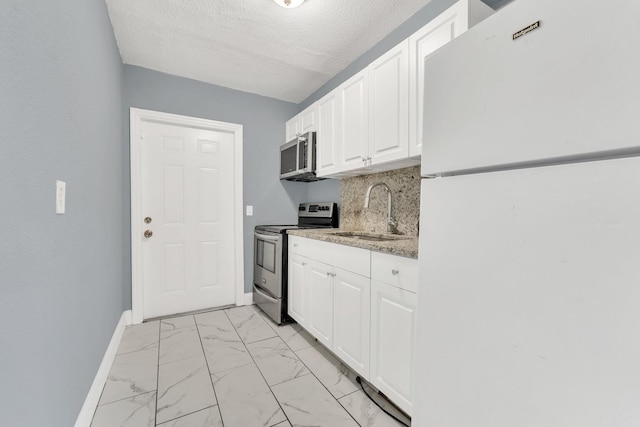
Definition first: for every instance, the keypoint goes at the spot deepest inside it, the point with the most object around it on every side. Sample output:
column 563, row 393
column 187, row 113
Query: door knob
column 147, row 220
column 148, row 233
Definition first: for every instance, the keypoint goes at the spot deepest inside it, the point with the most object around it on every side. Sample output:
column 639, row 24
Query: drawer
column 347, row 258
column 297, row 245
column 395, row 270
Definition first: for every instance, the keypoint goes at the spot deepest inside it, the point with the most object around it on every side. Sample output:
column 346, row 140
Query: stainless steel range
column 270, row 255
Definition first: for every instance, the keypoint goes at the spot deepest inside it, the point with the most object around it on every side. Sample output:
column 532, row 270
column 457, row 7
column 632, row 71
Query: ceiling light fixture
column 289, row 4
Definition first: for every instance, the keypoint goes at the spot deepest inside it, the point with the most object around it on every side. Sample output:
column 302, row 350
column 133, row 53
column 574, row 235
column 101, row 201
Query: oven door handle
column 266, row 237
column 262, row 294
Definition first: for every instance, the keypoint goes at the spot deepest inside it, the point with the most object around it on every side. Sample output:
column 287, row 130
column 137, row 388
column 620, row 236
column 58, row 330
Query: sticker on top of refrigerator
column 527, row 30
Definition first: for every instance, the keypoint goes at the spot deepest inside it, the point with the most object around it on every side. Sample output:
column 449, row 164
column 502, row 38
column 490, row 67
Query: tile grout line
column 127, row 397
column 185, row 415
column 208, row 369
column 258, row 368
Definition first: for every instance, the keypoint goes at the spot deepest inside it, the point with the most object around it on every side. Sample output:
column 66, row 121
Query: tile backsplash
column 405, row 194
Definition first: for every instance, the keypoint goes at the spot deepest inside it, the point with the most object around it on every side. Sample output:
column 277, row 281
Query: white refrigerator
column 529, row 295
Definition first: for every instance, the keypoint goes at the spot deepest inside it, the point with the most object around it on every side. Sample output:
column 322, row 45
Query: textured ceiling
column 255, row 45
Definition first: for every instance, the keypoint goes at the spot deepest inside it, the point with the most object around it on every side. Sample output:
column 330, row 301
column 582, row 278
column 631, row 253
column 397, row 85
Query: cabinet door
column 319, row 280
column 351, row 319
column 447, row 26
column 292, row 128
column 308, row 120
column 354, row 134
column 393, row 323
column 389, row 105
column 296, row 288
column 328, row 145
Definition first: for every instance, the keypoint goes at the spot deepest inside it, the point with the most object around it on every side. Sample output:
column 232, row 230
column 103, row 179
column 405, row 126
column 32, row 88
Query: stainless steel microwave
column 298, row 159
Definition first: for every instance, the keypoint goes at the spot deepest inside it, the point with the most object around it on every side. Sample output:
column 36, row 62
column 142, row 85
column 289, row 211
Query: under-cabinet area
column 360, row 304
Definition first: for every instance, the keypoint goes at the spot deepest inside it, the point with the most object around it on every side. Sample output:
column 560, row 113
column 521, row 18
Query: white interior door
column 187, row 189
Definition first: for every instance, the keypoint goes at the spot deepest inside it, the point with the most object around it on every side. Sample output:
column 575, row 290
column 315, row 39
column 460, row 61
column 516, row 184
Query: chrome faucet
column 391, row 223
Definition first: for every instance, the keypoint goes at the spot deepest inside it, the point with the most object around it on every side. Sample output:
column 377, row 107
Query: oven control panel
column 317, row 210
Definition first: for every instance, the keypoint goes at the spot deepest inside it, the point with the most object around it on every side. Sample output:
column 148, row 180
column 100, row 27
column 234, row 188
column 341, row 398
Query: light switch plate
column 249, row 210
column 61, row 194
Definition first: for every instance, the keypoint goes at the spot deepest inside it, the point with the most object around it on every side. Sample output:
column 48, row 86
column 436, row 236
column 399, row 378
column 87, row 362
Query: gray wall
column 263, row 121
column 60, row 275
column 327, row 190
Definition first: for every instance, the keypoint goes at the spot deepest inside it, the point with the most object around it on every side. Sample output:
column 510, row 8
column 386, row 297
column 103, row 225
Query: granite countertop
column 401, row 245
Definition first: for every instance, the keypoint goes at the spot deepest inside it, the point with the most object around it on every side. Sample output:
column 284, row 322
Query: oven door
column 267, row 262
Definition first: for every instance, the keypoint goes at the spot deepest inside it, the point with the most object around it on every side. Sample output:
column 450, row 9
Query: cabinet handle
column 304, row 263
column 295, row 245
column 328, row 274
column 395, row 272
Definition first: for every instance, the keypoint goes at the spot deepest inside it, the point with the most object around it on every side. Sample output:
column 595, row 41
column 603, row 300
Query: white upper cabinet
column 308, row 120
column 437, row 33
column 328, row 146
column 389, row 106
column 354, row 126
column 304, row 122
column 292, row 128
column 374, row 121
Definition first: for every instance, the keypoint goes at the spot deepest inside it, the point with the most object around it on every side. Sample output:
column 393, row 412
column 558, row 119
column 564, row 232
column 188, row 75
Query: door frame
column 138, row 116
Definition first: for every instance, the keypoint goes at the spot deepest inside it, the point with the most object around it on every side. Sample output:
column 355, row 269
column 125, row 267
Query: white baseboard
column 93, row 397
column 248, row 298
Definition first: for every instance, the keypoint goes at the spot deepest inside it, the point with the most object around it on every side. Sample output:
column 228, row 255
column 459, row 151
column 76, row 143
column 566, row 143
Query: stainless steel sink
column 369, row 236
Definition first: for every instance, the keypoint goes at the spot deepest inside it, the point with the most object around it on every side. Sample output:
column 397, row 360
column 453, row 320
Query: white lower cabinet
column 319, row 287
column 356, row 303
column 351, row 318
column 296, row 299
column 393, row 324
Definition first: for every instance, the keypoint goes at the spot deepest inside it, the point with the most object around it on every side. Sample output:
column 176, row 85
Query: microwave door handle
column 266, row 237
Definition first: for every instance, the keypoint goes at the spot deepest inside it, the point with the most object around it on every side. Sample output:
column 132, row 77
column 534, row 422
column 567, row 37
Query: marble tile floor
column 231, row 368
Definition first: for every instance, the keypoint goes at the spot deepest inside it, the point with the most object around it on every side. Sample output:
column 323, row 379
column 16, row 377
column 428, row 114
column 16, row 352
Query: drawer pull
column 295, row 245
column 304, row 263
column 395, row 272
